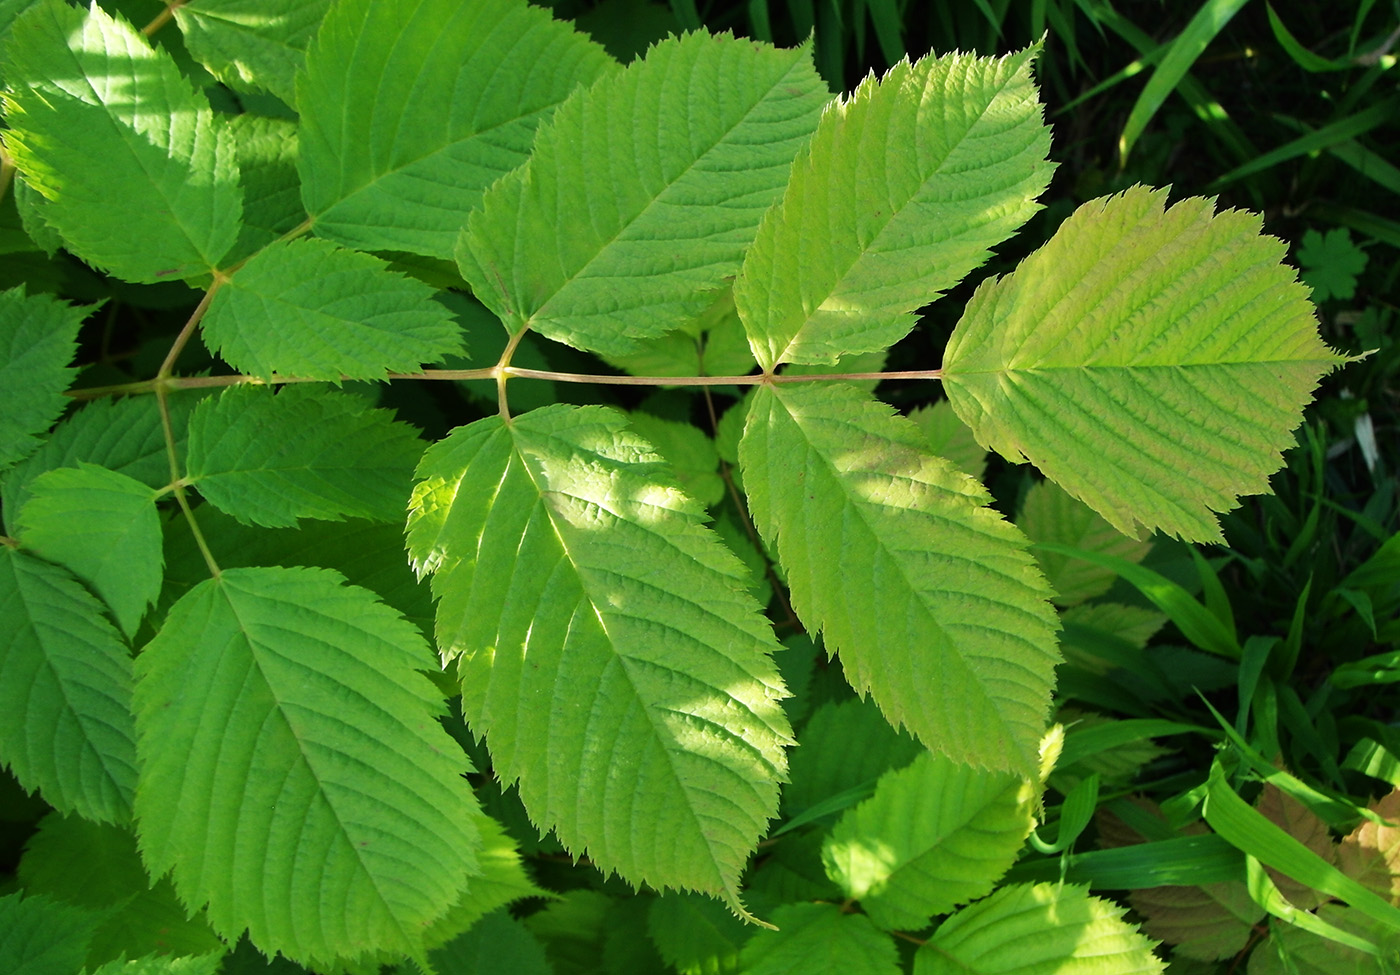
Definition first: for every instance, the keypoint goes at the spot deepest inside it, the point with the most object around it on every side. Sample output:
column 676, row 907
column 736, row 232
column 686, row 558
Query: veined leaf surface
column 642, row 193
column 65, row 692
column 311, row 309
column 904, row 188
column 1137, row 346
column 447, row 97
column 38, row 337
column 257, row 43
column 103, row 527
column 934, row 835
column 818, row 939
column 270, row 459
column 1033, row 929
column 139, row 175
column 293, row 774
column 951, row 634
column 609, row 649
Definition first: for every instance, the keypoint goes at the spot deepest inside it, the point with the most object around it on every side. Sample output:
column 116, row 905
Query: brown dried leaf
column 1305, row 826
column 1370, row 854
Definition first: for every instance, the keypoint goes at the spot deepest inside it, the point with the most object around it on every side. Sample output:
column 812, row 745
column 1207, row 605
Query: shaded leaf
column 697, row 935
column 252, row 43
column 817, row 939
column 38, row 338
column 40, row 936
column 1048, row 514
column 949, row 437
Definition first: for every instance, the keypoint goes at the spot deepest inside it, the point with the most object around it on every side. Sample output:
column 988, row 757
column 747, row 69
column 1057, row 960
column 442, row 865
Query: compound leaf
column 65, row 692
column 935, row 835
column 293, row 775
column 817, row 939
column 139, row 175
column 1137, row 344
column 953, row 636
column 642, row 722
column 903, row 190
column 269, row 459
column 258, row 43
column 673, row 163
column 311, row 309
column 1040, row 929
column 447, row 95
column 103, row 527
column 38, row 338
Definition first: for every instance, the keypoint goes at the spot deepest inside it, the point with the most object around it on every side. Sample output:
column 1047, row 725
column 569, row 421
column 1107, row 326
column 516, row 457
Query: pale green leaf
column 65, row 692
column 817, row 939
column 447, row 97
column 103, row 527
column 292, row 773
column 952, row 636
column 904, row 188
column 270, row 459
column 1041, row 929
column 122, row 435
column 1151, row 363
column 311, row 309
column 642, row 722
column 251, row 43
column 697, row 935
column 1049, row 514
column 935, row 835
column 139, row 175
column 38, row 338
column 949, row 437
column 642, row 193
column 40, row 936
column 164, row 964
column 98, row 867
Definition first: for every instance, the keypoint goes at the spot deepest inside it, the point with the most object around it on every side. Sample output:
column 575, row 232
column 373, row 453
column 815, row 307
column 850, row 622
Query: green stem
column 162, row 18
column 7, row 172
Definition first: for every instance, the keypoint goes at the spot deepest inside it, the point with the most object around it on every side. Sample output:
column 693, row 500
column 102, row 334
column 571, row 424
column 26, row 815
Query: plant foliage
column 213, row 652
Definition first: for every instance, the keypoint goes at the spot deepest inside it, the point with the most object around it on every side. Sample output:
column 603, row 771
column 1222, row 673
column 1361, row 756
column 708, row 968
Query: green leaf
column 122, row 435
column 690, row 453
column 674, row 162
column 1041, row 929
column 163, row 964
column 497, row 945
column 38, row 338
column 954, row 638
column 904, row 188
column 266, row 150
column 844, row 746
column 98, row 867
column 641, row 722
column 302, row 453
column 817, row 939
column 1331, row 263
column 1048, row 514
column 949, row 437
column 697, row 935
column 251, row 43
column 1135, row 342
column 1312, row 954
column 103, row 527
column 65, row 692
column 139, row 175
column 311, row 309
column 935, row 835
column 40, row 936
column 292, row 774
column 448, row 97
